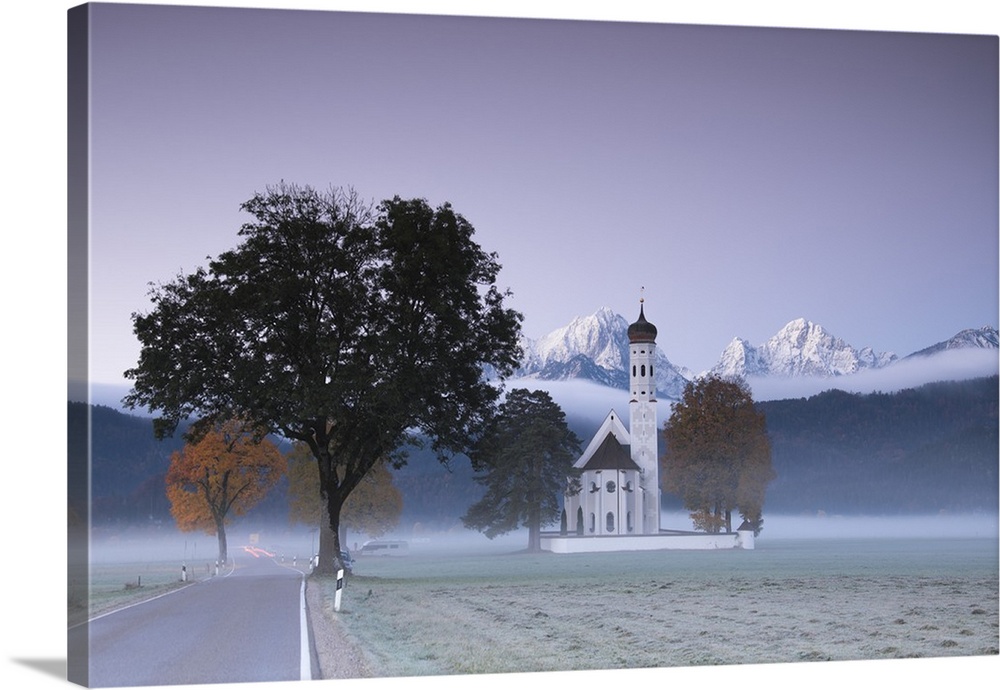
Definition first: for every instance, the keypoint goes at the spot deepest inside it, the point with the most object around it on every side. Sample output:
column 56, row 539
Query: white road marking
column 306, row 660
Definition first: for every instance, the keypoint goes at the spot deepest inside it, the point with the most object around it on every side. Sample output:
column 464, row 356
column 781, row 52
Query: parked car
column 384, row 548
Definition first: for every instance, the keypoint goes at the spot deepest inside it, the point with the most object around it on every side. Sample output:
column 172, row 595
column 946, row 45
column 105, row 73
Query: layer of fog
column 587, row 399
column 593, row 401
column 146, row 544
column 975, row 526
column 104, row 394
column 777, row 529
column 288, row 544
column 949, row 365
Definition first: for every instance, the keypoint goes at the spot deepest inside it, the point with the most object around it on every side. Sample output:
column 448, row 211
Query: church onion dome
column 641, row 331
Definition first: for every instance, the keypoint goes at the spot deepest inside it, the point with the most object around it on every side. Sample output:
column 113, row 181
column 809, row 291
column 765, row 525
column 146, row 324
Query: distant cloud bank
column 950, row 365
column 593, row 401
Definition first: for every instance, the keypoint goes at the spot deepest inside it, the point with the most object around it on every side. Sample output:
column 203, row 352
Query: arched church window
column 593, row 522
column 650, row 370
column 633, row 370
column 610, row 486
column 628, row 521
column 643, row 369
column 610, row 522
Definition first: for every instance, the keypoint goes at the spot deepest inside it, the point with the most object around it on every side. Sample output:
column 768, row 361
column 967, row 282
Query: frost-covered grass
column 114, row 585
column 440, row 611
column 124, row 567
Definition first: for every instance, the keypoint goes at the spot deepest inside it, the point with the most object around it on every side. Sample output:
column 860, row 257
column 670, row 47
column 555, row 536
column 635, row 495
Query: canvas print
column 415, row 346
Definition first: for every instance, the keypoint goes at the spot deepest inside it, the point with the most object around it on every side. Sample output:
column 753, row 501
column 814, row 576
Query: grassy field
column 440, row 612
column 114, row 585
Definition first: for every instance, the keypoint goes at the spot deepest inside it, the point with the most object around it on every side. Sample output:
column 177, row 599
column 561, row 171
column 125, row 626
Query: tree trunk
column 534, row 537
column 220, row 529
column 534, row 525
column 329, row 538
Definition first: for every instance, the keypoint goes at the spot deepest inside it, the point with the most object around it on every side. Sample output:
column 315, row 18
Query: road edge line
column 305, row 649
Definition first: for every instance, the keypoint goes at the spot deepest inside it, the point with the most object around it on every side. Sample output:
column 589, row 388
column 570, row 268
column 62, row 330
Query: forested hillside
column 925, row 450
column 922, row 450
column 128, row 464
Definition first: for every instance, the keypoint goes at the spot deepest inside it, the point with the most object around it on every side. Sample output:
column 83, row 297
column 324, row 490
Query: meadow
column 116, row 585
column 448, row 609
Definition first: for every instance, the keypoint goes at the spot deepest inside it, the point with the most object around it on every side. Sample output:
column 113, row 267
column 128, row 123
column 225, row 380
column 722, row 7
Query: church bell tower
column 642, row 417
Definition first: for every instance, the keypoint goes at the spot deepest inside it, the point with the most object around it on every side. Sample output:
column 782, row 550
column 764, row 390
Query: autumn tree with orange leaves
column 718, row 454
column 224, row 474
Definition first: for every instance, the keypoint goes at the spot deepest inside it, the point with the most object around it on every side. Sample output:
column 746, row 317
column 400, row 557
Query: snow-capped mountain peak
column 800, row 348
column 599, row 336
column 985, row 337
column 593, row 347
column 596, row 348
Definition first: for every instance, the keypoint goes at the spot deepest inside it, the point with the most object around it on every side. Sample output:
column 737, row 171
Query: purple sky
column 744, row 176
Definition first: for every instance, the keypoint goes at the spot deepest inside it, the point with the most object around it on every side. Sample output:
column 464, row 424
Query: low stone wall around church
column 650, row 542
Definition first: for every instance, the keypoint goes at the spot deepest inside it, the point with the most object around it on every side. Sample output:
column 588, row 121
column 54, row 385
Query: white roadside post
column 340, row 587
column 184, row 573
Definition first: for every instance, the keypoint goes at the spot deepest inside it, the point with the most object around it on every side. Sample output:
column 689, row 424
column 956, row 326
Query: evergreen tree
column 525, row 457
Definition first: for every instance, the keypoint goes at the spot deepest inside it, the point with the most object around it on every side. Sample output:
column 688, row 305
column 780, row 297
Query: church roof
column 611, row 425
column 611, row 455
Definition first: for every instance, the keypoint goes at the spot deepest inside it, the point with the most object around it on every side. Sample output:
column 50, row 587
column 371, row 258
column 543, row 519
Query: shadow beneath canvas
column 51, row 667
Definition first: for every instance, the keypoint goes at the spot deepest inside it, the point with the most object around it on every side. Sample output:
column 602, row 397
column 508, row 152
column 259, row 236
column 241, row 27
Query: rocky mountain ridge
column 800, row 348
column 595, row 348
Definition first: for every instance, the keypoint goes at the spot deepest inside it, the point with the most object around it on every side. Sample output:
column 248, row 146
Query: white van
column 384, row 548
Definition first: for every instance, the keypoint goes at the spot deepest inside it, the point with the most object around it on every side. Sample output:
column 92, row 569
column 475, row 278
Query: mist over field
column 165, row 543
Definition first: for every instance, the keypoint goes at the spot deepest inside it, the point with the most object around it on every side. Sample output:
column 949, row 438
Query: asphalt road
column 245, row 625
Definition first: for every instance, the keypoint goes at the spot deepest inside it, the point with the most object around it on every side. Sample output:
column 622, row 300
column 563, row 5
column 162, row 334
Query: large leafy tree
column 718, row 456
column 348, row 328
column 223, row 474
column 524, row 460
column 373, row 508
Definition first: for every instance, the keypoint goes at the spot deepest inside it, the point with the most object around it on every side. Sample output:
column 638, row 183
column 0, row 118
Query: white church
column 618, row 505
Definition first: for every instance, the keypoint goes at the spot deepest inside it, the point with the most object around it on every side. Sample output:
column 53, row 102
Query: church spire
column 642, row 331
column 642, row 417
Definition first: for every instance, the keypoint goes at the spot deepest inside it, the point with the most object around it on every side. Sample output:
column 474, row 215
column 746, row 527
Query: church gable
column 612, row 425
column 611, row 455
